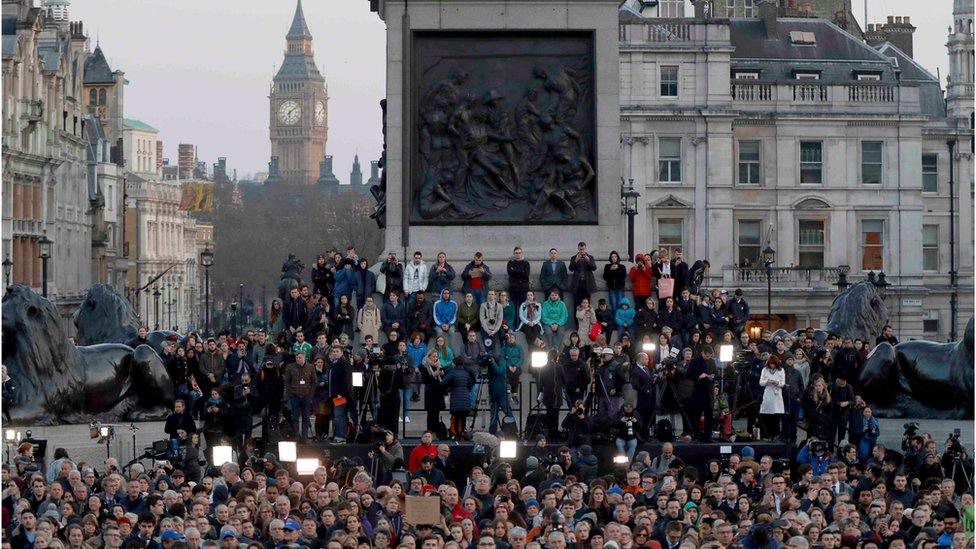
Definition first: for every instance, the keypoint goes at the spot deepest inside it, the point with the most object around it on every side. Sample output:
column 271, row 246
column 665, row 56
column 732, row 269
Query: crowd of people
column 641, row 364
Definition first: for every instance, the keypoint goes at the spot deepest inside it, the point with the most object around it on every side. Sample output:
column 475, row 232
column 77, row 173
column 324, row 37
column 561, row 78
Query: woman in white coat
column 773, row 378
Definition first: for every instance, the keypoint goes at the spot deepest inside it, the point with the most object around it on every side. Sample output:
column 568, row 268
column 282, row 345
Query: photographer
column 497, row 388
column 577, row 425
column 702, row 372
column 511, row 357
column 390, row 452
column 551, row 386
column 814, row 453
column 458, row 382
column 390, row 383
column 627, row 430
column 869, row 430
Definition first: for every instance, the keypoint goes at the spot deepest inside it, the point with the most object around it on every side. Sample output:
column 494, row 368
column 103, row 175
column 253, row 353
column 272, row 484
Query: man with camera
column 628, row 429
column 490, row 316
column 642, row 380
column 390, row 381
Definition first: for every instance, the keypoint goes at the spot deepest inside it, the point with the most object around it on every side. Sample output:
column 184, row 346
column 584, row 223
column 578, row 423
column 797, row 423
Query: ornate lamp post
column 233, row 318
column 156, row 293
column 240, row 301
column 45, row 244
column 881, row 284
column 842, row 283
column 147, row 305
column 628, row 207
column 769, row 257
column 206, row 259
column 7, row 268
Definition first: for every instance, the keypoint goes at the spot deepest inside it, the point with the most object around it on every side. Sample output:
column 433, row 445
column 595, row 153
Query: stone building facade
column 790, row 132
column 45, row 189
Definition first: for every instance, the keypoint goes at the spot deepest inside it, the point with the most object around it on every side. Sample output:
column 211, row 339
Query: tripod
column 369, row 393
column 481, row 381
column 958, row 465
column 685, row 421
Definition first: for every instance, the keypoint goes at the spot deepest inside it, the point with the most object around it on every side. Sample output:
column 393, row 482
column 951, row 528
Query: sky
column 200, row 70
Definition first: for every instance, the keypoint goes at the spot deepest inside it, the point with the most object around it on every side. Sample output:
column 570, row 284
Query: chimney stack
column 898, row 30
column 769, row 12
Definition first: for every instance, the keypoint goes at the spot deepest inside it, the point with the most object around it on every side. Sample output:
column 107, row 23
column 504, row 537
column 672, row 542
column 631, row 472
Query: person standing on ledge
column 553, row 273
column 476, row 276
column 583, row 283
column 518, row 277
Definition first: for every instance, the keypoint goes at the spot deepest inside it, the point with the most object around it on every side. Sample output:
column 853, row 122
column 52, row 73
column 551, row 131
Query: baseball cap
column 229, row 532
column 607, row 351
column 292, row 525
column 531, row 503
column 170, row 535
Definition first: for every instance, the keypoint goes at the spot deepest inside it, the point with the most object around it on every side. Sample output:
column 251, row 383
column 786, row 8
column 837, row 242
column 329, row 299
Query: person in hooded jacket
column 365, row 282
column 323, row 277
column 270, row 387
column 458, row 382
column 647, row 320
column 624, row 317
column 641, row 279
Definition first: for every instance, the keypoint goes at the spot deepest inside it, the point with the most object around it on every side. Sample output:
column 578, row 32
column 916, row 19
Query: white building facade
column 790, row 133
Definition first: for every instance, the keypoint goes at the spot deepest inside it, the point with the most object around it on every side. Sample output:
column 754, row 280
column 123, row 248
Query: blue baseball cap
column 292, row 525
column 170, row 535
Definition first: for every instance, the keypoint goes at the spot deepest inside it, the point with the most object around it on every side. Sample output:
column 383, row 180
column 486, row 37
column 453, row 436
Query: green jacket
column 554, row 312
column 511, row 355
column 497, row 380
column 469, row 315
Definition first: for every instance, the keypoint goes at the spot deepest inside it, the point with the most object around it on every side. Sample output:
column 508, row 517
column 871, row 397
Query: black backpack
column 664, row 431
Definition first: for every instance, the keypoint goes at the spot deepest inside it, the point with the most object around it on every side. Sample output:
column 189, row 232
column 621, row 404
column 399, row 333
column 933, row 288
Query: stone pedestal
column 509, row 24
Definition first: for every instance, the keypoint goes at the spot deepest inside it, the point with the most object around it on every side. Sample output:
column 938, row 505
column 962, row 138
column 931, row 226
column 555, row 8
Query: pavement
column 75, row 438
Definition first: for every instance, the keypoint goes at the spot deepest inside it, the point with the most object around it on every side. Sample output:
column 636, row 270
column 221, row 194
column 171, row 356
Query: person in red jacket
column 425, row 448
column 641, row 279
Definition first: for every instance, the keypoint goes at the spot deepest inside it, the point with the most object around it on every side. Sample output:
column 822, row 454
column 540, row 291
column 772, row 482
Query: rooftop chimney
column 898, row 31
column 769, row 12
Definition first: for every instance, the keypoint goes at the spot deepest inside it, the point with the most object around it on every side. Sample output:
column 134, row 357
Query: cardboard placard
column 423, row 510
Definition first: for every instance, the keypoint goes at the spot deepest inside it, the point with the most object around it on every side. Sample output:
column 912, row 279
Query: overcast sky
column 199, row 70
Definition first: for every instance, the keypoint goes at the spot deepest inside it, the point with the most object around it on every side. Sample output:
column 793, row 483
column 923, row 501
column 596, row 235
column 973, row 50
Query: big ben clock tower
column 299, row 109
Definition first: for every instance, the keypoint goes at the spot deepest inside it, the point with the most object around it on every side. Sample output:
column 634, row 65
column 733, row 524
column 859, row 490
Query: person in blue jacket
column 345, row 283
column 445, row 313
column 869, row 430
column 624, row 317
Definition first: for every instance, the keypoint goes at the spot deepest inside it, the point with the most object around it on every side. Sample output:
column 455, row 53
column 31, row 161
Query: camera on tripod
column 485, row 361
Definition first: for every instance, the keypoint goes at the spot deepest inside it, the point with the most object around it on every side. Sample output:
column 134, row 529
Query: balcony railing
column 665, row 31
column 804, row 95
column 794, row 276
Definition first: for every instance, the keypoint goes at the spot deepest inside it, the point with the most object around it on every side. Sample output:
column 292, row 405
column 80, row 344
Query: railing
column 810, row 93
column 752, row 92
column 800, row 276
column 767, row 95
column 871, row 93
column 669, row 31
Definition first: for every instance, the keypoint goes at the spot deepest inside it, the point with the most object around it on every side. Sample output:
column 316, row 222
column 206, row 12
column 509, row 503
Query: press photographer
column 627, row 430
column 395, row 371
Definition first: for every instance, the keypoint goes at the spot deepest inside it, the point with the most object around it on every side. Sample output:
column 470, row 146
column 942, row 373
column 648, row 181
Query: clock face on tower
column 289, row 112
column 319, row 113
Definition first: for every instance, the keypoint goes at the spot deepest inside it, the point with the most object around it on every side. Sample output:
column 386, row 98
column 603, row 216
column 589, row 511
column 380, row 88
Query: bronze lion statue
column 858, row 313
column 105, row 316
column 61, row 383
column 921, row 379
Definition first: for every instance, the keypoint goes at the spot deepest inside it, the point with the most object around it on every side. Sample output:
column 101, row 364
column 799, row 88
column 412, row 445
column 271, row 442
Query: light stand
column 156, row 293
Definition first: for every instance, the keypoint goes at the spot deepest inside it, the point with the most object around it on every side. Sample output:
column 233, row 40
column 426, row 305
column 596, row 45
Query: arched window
column 101, row 96
column 93, row 97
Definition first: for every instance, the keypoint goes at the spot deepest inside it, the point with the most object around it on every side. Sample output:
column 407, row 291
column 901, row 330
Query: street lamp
column 240, row 301
column 628, row 207
column 882, row 284
column 45, row 244
column 233, row 318
column 156, row 293
column 842, row 282
column 147, row 306
column 769, row 257
column 7, row 267
column 206, row 259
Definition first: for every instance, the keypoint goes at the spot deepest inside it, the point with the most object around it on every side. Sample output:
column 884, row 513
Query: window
column 669, row 234
column 750, row 240
column 749, row 162
column 669, row 81
column 930, row 173
column 811, row 162
column 930, row 247
column 799, row 75
column 746, row 75
column 93, row 97
column 811, row 242
column 930, row 321
column 672, row 8
column 868, row 77
column 101, row 96
column 872, row 244
column 871, row 154
column 730, row 8
column 748, row 8
column 669, row 159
